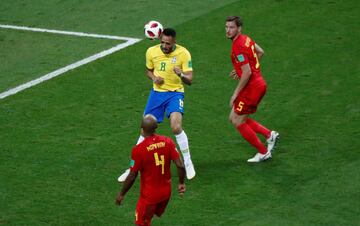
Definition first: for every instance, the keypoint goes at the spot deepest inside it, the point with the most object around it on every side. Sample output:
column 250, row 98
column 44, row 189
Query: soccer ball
column 153, row 29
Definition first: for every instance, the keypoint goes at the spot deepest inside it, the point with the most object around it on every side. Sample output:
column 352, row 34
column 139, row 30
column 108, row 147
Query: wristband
column 182, row 75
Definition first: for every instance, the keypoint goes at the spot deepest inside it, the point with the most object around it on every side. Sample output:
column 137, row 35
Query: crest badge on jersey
column 241, row 58
column 173, row 60
column 132, row 163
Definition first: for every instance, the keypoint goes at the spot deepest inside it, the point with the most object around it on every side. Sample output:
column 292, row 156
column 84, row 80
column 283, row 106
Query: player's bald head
column 149, row 124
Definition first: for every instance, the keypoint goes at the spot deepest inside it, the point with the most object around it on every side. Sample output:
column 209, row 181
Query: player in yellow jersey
column 169, row 65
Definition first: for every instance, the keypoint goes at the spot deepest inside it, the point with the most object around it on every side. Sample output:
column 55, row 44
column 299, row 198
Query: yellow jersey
column 163, row 66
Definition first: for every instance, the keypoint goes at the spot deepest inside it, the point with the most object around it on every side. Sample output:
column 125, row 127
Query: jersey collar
column 173, row 49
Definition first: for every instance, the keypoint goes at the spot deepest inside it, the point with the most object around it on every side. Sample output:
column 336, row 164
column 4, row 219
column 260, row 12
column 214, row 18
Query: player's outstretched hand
column 119, row 200
column 233, row 74
column 181, row 189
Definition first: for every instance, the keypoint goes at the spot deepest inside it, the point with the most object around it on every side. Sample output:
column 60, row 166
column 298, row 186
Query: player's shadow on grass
column 221, row 167
column 218, row 166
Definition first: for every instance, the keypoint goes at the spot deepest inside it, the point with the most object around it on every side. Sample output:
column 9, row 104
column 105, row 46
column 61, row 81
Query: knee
column 236, row 121
column 233, row 120
column 176, row 128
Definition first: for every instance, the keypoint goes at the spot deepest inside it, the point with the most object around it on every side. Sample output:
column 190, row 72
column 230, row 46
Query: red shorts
column 248, row 99
column 145, row 211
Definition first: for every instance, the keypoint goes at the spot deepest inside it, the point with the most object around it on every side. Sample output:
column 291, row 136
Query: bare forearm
column 156, row 79
column 259, row 51
column 180, row 170
column 128, row 183
column 242, row 83
column 150, row 74
column 181, row 174
column 244, row 78
column 186, row 78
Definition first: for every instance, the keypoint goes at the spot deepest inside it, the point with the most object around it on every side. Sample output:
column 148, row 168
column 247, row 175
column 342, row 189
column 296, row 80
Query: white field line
column 129, row 41
column 73, row 33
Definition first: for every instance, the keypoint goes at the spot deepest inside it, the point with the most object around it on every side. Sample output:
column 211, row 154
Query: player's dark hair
column 169, row 32
column 238, row 21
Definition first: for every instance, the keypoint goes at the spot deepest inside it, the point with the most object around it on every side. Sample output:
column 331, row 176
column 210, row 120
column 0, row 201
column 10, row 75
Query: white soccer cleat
column 271, row 141
column 123, row 176
column 260, row 157
column 189, row 168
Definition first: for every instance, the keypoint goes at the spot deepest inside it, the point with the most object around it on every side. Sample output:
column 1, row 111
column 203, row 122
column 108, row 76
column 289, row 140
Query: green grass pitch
column 64, row 142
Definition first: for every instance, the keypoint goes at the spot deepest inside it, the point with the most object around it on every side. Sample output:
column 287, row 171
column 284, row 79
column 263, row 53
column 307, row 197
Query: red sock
column 258, row 128
column 249, row 135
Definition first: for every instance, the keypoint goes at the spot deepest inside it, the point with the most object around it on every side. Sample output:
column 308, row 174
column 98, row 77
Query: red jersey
column 152, row 158
column 243, row 52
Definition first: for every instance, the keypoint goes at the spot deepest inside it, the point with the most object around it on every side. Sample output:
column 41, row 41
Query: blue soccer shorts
column 164, row 102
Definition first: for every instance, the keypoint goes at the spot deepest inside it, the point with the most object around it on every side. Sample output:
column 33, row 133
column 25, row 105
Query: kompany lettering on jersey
column 155, row 146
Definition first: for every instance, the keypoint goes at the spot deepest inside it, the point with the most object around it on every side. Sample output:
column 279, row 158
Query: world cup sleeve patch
column 241, row 58
column 190, row 64
column 132, row 163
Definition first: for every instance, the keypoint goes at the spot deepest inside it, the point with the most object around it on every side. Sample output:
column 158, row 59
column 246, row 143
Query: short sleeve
column 186, row 64
column 149, row 62
column 135, row 162
column 241, row 56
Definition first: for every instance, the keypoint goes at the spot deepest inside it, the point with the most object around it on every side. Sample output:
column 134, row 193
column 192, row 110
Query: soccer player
column 152, row 159
column 245, row 57
column 169, row 65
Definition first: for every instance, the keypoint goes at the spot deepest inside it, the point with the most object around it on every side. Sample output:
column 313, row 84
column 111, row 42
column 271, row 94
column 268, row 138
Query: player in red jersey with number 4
column 245, row 57
column 152, row 159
